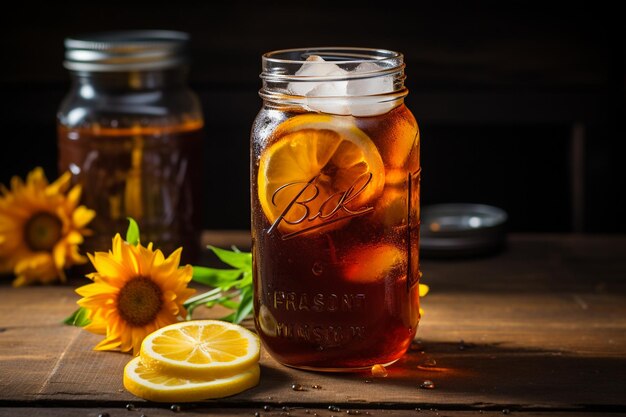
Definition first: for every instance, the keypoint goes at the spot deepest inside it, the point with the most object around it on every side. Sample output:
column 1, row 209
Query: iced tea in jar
column 335, row 177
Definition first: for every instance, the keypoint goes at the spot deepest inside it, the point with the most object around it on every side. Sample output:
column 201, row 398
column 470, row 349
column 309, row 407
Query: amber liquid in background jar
column 130, row 130
column 151, row 174
column 335, row 214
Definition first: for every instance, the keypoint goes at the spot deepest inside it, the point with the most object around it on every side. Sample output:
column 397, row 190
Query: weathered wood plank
column 547, row 345
column 291, row 411
column 510, row 356
column 32, row 339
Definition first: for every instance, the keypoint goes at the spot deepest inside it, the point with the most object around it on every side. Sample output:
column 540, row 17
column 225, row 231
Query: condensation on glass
column 130, row 131
column 335, row 177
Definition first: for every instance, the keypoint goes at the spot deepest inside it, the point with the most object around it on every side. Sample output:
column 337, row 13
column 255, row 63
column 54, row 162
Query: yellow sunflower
column 41, row 227
column 135, row 291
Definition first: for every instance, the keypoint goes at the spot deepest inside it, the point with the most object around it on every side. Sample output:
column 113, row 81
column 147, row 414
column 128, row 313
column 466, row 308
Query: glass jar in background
column 335, row 177
column 130, row 131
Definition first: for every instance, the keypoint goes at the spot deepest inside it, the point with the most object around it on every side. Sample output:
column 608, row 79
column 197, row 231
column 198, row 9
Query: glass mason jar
column 335, row 177
column 130, row 131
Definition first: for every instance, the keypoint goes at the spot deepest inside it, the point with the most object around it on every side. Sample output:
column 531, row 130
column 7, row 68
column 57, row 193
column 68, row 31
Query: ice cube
column 365, row 91
column 328, row 98
column 371, row 85
column 316, row 66
column 317, row 93
column 357, row 97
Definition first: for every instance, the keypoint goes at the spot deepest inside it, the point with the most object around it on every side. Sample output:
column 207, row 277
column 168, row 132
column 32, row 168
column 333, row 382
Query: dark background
column 520, row 104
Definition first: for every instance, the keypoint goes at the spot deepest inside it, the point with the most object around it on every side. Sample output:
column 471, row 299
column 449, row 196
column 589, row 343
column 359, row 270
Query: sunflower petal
column 59, row 252
column 60, row 185
column 96, row 326
column 82, row 216
column 73, row 197
column 108, row 344
column 107, row 266
column 96, row 289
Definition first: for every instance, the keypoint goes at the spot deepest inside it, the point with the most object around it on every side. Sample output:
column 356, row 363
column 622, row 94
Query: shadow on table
column 468, row 376
column 472, row 373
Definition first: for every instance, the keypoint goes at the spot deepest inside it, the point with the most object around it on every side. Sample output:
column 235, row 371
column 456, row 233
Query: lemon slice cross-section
column 201, row 349
column 145, row 382
column 319, row 169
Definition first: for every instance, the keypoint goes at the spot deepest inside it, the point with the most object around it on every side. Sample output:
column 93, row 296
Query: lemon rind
column 194, row 391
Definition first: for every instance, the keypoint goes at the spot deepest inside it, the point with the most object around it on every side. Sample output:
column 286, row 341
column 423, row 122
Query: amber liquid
column 312, row 310
column 152, row 174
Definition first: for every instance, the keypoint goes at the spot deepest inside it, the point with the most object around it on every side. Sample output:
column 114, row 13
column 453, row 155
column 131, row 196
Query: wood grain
column 290, row 411
column 540, row 327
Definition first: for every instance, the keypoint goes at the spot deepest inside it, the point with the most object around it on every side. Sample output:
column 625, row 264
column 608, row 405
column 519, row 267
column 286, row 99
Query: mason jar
column 130, row 131
column 335, row 178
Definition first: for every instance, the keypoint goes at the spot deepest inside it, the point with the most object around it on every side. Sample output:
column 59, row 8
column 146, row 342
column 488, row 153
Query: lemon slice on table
column 318, row 170
column 201, row 349
column 145, row 382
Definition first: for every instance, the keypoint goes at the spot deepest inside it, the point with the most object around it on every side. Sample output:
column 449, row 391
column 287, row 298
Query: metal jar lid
column 130, row 50
column 461, row 230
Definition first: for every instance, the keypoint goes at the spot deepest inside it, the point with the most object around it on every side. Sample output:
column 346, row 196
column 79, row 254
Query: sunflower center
column 139, row 301
column 42, row 231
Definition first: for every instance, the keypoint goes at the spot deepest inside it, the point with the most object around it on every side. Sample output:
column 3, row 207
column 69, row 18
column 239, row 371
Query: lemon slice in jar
column 319, row 170
column 374, row 263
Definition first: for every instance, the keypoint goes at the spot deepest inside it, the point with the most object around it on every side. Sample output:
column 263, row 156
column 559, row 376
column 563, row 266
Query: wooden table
column 539, row 329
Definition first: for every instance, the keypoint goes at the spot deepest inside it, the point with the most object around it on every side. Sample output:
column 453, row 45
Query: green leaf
column 230, row 317
column 209, row 299
column 245, row 305
column 132, row 234
column 245, row 281
column 232, row 288
column 78, row 318
column 240, row 260
column 229, row 303
column 221, row 278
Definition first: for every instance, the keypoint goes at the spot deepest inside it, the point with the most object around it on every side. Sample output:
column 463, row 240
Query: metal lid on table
column 461, row 230
column 129, row 50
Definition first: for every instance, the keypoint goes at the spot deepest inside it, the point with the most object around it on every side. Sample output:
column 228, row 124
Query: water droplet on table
column 430, row 362
column 427, row 384
column 297, row 387
column 379, row 371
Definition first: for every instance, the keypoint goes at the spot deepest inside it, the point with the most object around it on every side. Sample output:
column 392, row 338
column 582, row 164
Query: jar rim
column 285, row 65
column 336, row 54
